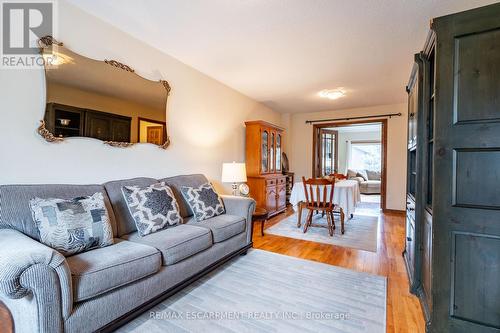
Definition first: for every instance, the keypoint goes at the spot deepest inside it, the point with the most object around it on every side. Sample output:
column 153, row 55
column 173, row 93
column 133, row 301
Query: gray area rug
column 360, row 231
column 269, row 292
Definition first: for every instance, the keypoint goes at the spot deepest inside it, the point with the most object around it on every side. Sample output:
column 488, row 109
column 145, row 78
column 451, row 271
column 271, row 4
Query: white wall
column 205, row 118
column 353, row 136
column 300, row 146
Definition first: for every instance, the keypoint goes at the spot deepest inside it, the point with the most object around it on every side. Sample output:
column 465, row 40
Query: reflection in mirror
column 105, row 100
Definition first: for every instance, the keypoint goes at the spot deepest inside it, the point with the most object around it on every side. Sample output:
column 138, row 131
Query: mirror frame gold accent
column 48, row 41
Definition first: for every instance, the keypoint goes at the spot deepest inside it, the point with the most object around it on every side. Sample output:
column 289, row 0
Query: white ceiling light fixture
column 332, row 93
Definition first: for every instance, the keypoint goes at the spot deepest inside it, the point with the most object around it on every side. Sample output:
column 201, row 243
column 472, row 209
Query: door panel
column 476, row 79
column 476, row 273
column 326, row 153
column 120, row 130
column 155, row 135
column 98, row 126
column 271, row 199
column 281, row 200
column 264, row 151
column 410, row 247
column 426, row 256
column 272, row 151
column 278, row 152
column 477, row 178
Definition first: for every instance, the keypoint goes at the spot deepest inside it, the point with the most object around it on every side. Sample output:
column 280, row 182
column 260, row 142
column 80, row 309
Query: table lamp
column 234, row 173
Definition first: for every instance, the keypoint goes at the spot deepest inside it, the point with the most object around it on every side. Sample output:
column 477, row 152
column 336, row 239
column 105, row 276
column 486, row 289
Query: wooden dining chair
column 317, row 199
column 338, row 176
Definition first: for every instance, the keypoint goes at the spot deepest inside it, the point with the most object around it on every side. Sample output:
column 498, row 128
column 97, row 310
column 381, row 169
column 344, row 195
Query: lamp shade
column 234, row 172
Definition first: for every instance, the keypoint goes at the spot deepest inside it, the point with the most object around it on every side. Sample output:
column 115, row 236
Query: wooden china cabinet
column 264, row 142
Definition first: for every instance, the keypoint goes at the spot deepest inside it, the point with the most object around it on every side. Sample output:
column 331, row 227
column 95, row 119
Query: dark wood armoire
column 264, row 142
column 452, row 249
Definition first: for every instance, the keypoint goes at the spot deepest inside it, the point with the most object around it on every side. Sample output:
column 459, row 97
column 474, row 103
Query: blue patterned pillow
column 204, row 201
column 72, row 226
column 153, row 207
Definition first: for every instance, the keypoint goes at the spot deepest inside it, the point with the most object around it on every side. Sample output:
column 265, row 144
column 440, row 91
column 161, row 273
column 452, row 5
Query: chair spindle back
column 314, row 187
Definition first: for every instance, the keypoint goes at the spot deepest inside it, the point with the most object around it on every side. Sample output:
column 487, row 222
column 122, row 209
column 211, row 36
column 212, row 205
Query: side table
column 260, row 214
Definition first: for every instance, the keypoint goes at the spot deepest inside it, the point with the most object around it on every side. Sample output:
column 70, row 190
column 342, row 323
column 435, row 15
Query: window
column 365, row 156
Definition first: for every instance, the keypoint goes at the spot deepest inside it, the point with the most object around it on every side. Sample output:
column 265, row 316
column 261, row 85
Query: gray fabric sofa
column 369, row 181
column 103, row 288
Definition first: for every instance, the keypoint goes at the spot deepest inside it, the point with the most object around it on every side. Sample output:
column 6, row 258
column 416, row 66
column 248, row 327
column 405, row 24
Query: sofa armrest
column 241, row 206
column 29, row 268
column 359, row 179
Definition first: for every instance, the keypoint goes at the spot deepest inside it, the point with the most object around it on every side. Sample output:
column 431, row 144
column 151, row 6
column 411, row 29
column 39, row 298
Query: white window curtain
column 347, row 156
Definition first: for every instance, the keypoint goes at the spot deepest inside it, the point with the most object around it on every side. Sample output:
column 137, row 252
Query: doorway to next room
column 356, row 150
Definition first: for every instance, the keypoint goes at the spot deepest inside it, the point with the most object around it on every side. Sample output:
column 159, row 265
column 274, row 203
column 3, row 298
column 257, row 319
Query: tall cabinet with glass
column 264, row 142
column 418, row 242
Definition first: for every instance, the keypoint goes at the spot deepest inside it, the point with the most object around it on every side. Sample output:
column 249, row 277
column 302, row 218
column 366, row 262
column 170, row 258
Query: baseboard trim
column 115, row 324
column 394, row 211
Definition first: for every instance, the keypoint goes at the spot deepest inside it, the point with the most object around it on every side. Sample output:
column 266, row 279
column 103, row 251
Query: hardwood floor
column 403, row 309
column 5, row 320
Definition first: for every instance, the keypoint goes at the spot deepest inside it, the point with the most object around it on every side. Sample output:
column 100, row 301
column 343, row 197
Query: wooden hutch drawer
column 270, row 182
column 282, row 180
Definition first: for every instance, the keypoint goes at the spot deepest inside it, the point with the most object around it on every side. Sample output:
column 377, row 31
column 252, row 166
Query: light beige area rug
column 269, row 292
column 360, row 231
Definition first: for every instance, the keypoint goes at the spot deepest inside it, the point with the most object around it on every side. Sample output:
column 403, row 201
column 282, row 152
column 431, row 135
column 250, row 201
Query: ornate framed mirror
column 105, row 100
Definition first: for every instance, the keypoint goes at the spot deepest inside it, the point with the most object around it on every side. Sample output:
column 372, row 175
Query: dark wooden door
column 466, row 196
column 120, row 129
column 98, row 126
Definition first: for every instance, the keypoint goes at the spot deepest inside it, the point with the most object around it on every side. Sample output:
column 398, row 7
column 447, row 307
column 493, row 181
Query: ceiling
column 283, row 52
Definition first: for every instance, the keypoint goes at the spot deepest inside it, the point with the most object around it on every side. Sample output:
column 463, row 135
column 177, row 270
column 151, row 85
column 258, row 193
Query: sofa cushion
column 16, row 212
column 98, row 271
column 372, row 183
column 73, row 226
column 176, row 244
column 222, row 227
column 153, row 207
column 373, row 175
column 177, row 182
column 125, row 222
column 204, row 201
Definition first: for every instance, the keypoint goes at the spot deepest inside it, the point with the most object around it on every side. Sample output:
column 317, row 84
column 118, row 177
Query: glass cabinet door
column 272, row 145
column 264, row 151
column 278, row 152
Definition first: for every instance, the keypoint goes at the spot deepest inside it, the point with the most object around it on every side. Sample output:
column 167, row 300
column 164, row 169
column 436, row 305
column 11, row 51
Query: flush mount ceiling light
column 331, row 93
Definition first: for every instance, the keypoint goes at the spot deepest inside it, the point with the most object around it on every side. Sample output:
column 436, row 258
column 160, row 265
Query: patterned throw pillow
column 73, row 226
column 204, row 201
column 153, row 207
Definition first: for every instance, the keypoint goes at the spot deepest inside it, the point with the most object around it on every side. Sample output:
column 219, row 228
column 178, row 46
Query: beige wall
column 205, row 118
column 299, row 148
